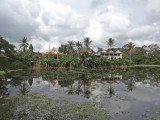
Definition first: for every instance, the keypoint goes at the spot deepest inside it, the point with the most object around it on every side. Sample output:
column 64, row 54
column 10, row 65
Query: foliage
column 110, row 42
column 24, row 44
column 64, row 49
column 87, row 42
column 71, row 46
column 6, row 53
column 130, row 47
column 68, row 59
column 6, row 47
column 2, row 72
column 76, row 55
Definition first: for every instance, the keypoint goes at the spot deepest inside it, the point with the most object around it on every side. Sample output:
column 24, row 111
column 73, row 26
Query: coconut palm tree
column 71, row 46
column 87, row 42
column 110, row 42
column 131, row 85
column 24, row 44
column 24, row 89
column 111, row 90
column 130, row 47
column 79, row 46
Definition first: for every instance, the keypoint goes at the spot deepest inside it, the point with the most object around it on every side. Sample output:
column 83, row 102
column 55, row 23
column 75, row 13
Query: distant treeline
column 75, row 54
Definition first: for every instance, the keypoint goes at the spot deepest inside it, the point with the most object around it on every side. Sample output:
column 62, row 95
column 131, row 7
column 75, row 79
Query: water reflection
column 3, row 90
column 111, row 90
column 30, row 81
column 131, row 84
column 87, row 92
column 77, row 82
column 70, row 90
column 24, row 89
column 120, row 90
column 79, row 89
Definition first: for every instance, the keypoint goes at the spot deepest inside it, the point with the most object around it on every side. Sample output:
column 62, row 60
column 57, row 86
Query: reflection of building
column 109, row 54
column 111, row 78
column 115, row 77
column 54, row 81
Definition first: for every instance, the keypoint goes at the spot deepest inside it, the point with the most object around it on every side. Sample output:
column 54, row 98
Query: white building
column 110, row 54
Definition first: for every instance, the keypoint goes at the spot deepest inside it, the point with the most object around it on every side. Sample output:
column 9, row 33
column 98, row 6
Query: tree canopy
column 24, row 44
column 110, row 42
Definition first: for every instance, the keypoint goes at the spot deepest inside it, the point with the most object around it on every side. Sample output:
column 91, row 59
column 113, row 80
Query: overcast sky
column 58, row 21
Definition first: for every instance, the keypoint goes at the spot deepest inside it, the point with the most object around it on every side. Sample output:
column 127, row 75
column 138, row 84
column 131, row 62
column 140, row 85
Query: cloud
column 41, row 21
column 58, row 21
column 16, row 21
column 153, row 5
column 107, row 23
column 114, row 23
column 142, row 31
column 96, row 3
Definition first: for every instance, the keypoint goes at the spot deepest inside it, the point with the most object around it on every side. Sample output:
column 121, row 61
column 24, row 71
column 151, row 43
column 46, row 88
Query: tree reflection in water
column 79, row 90
column 111, row 90
column 79, row 82
column 3, row 90
column 30, row 81
column 24, row 89
column 131, row 85
column 87, row 92
column 70, row 90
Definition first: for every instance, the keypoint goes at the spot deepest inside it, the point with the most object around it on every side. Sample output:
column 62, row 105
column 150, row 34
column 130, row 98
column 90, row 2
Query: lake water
column 128, row 93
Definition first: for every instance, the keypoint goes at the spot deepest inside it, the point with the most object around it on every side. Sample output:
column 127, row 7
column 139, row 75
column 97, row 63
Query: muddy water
column 127, row 94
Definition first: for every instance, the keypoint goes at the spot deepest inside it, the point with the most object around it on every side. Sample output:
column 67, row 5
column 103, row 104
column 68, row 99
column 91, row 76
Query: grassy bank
column 2, row 73
column 144, row 66
column 9, row 71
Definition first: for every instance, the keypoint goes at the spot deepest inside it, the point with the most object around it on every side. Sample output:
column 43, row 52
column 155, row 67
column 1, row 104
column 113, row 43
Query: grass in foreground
column 34, row 107
column 40, row 107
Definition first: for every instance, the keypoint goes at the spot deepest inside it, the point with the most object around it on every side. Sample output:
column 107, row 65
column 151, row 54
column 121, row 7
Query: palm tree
column 111, row 91
column 24, row 89
column 79, row 90
column 70, row 46
column 79, row 46
column 87, row 92
column 110, row 42
column 130, row 47
column 23, row 44
column 131, row 85
column 87, row 42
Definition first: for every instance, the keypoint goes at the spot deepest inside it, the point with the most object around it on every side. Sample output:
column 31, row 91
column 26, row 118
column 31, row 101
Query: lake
column 120, row 94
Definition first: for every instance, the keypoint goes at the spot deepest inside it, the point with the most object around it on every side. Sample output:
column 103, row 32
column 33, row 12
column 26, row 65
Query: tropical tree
column 87, row 42
column 130, row 47
column 63, row 49
column 24, row 44
column 24, row 89
column 110, row 42
column 153, row 49
column 131, row 85
column 79, row 46
column 71, row 47
column 6, row 47
column 6, row 54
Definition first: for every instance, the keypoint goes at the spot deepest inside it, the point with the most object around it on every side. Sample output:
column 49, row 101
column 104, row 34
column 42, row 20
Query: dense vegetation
column 11, row 59
column 75, row 54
